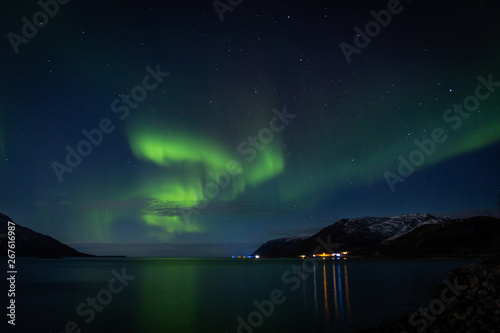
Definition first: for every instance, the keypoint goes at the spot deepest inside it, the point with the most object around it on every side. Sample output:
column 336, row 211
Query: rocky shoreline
column 467, row 301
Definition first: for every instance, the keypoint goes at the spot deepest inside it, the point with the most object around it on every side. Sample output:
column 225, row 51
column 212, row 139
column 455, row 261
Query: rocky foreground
column 468, row 301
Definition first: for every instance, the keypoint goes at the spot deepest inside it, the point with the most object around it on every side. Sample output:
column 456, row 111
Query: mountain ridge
column 29, row 243
column 371, row 236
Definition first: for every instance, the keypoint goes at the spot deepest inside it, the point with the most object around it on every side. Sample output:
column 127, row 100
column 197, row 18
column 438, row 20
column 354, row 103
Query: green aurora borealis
column 181, row 165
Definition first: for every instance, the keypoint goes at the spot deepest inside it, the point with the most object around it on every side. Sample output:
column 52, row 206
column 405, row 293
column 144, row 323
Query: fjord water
column 208, row 295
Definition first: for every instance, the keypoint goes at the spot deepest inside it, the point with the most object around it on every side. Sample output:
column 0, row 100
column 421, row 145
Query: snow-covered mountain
column 392, row 227
column 350, row 234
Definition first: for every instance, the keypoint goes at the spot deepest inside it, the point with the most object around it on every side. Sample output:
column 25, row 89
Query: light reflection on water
column 334, row 294
column 208, row 295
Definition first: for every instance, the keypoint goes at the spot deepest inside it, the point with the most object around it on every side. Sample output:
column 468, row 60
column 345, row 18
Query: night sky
column 128, row 124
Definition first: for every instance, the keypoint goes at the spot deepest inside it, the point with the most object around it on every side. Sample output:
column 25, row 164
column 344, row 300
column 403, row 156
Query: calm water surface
column 220, row 295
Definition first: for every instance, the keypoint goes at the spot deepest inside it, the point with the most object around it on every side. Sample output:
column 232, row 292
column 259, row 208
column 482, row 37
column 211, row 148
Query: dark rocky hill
column 281, row 247
column 407, row 235
column 359, row 235
column 33, row 244
column 459, row 237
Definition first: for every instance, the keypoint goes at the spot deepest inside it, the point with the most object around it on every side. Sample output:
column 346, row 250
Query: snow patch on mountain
column 390, row 227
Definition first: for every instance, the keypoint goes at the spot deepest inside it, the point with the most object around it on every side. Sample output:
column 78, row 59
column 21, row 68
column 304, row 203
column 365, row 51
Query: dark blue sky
column 146, row 122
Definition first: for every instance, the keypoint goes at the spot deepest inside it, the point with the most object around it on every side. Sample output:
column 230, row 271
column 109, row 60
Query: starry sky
column 200, row 128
